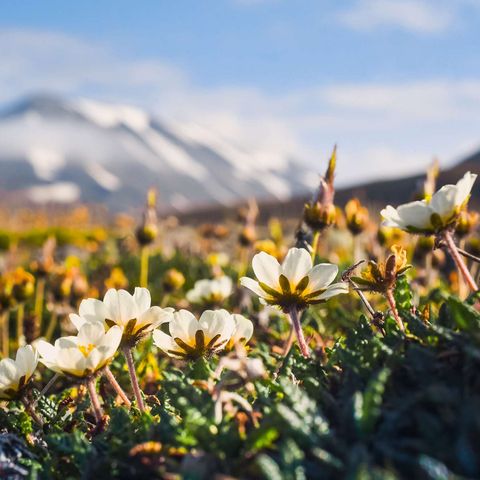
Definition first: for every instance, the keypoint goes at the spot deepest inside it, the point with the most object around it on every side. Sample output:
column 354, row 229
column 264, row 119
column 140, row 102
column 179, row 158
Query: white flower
column 243, row 330
column 84, row 354
column 15, row 374
column 434, row 214
column 295, row 283
column 194, row 338
column 132, row 313
column 210, row 291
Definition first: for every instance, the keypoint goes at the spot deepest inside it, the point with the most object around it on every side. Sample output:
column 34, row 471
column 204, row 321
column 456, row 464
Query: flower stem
column 29, row 408
column 133, row 377
column 38, row 308
column 97, row 409
column 20, row 317
column 51, row 325
column 117, row 387
column 316, row 237
column 5, row 324
column 452, row 249
column 298, row 330
column 144, row 267
column 393, row 308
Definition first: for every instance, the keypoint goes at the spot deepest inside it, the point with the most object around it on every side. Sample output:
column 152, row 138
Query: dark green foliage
column 372, row 406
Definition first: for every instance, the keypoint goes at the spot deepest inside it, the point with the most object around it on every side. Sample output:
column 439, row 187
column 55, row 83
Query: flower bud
column 318, row 216
column 23, row 285
column 247, row 236
column 173, row 280
column 320, row 212
column 117, row 279
column 356, row 216
column 147, row 232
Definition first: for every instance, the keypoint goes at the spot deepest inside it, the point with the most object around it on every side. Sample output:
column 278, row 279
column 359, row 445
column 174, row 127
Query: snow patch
column 45, row 162
column 108, row 116
column 60, row 192
column 103, row 177
column 175, row 156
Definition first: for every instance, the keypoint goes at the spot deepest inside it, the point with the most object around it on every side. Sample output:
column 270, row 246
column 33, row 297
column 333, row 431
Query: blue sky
column 394, row 82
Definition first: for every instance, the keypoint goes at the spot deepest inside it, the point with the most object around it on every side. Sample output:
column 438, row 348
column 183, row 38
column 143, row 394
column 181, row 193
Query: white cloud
column 382, row 129
column 419, row 16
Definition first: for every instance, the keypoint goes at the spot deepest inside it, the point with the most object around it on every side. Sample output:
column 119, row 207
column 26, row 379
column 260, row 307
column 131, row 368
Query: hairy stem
column 393, row 308
column 97, row 409
column 468, row 255
column 462, row 268
column 117, row 387
column 29, row 408
column 133, row 377
column 299, row 332
column 46, row 388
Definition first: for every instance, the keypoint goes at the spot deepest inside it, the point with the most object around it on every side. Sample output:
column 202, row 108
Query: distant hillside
column 376, row 194
column 61, row 151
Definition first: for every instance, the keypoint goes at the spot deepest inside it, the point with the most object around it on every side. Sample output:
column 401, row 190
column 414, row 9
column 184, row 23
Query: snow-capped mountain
column 56, row 150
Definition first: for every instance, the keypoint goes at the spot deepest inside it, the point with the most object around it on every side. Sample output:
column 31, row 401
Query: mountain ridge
column 83, row 150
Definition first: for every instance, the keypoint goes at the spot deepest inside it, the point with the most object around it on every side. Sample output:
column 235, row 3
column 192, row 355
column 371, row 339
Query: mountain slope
column 57, row 150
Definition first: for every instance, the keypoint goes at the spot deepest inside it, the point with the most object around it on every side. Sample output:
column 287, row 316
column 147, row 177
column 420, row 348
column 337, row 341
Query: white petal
column 266, row 269
column 321, row 276
column 415, row 214
column 91, row 333
column 153, row 317
column 184, row 326
column 296, row 265
column 443, row 201
column 224, row 286
column 92, row 310
column 72, row 361
column 464, row 187
column 120, row 306
column 47, row 352
column 164, row 342
column 9, row 370
column 243, row 328
column 96, row 359
column 333, row 290
column 142, row 299
column 26, row 360
column 253, row 286
column 111, row 340
column 77, row 320
column 217, row 322
column 391, row 218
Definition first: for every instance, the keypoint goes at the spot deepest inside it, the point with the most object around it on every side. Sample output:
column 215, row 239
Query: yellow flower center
column 86, row 349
